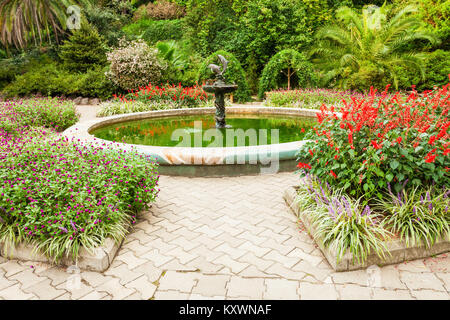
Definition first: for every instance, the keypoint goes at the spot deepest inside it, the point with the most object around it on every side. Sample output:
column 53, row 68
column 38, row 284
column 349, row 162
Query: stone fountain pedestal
column 220, row 88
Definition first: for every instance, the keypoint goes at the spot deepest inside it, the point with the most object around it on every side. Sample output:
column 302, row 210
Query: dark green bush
column 8, row 72
column 52, row 80
column 36, row 80
column 163, row 30
column 107, row 22
column 84, row 48
column 437, row 69
column 233, row 74
column 18, row 64
column 94, row 84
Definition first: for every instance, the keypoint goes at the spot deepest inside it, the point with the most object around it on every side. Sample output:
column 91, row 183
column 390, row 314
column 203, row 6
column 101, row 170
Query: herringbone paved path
column 223, row 238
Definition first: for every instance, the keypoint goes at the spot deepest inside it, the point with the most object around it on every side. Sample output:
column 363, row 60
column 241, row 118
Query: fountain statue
column 220, row 88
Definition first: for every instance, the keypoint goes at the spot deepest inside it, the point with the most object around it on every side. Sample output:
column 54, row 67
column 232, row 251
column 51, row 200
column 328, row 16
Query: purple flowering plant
column 341, row 222
column 418, row 215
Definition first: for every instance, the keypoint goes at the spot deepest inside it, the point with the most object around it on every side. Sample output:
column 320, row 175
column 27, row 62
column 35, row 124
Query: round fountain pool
column 186, row 142
column 200, row 131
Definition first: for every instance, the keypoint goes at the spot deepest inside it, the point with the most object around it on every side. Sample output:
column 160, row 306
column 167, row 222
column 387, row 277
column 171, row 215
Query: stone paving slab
column 197, row 242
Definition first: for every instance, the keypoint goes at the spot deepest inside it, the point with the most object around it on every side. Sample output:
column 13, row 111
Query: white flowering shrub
column 135, row 64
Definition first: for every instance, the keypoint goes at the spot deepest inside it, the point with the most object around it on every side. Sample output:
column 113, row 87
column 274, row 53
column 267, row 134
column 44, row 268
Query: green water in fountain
column 200, row 131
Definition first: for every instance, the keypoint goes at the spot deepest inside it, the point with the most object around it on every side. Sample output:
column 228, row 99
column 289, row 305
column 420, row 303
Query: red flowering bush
column 176, row 96
column 380, row 141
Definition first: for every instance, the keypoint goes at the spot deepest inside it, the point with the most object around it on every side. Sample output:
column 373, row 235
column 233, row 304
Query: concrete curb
column 398, row 250
column 182, row 156
column 99, row 260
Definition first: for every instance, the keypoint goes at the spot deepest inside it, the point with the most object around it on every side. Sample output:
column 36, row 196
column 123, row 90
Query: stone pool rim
column 180, row 156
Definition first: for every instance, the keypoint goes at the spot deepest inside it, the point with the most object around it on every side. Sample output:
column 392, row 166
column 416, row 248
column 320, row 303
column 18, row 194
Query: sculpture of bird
column 214, row 68
column 224, row 62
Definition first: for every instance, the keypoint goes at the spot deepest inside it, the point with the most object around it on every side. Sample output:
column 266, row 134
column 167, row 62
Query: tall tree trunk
column 289, row 78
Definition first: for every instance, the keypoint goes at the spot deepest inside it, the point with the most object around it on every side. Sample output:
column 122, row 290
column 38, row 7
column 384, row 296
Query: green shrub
column 38, row 80
column 233, row 74
column 107, row 22
column 138, row 27
column 94, row 84
column 135, row 64
column 12, row 67
column 83, row 49
column 164, row 30
column 153, row 31
column 52, row 80
column 437, row 70
column 293, row 64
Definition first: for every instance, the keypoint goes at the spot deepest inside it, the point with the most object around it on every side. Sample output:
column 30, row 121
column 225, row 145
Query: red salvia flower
column 302, row 165
column 333, row 174
column 430, row 158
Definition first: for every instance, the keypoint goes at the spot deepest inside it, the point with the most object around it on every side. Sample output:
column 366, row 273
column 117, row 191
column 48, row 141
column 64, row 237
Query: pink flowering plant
column 61, row 195
column 54, row 113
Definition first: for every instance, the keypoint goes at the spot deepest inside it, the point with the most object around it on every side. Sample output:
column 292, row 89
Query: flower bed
column 310, row 98
column 378, row 170
column 151, row 97
column 62, row 195
column 176, row 96
column 55, row 113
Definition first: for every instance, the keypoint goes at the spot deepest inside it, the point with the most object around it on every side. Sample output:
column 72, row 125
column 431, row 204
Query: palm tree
column 368, row 48
column 25, row 20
